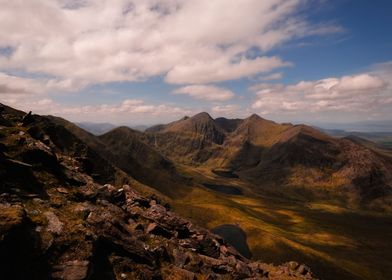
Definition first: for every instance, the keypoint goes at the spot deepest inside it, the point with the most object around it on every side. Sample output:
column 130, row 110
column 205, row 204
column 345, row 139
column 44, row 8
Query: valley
column 323, row 234
column 280, row 192
column 296, row 192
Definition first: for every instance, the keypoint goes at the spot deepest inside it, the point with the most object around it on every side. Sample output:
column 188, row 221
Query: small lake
column 225, row 173
column 235, row 236
column 224, row 189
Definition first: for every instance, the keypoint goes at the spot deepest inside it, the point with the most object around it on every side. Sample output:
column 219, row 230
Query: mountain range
column 293, row 191
column 278, row 156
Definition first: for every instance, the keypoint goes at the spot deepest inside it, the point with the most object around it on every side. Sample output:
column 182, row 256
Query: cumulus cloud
column 358, row 93
column 82, row 42
column 205, row 92
column 10, row 84
column 222, row 70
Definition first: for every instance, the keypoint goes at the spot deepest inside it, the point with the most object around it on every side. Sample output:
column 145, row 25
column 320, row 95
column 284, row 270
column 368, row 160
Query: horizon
column 371, row 126
column 299, row 61
column 359, row 126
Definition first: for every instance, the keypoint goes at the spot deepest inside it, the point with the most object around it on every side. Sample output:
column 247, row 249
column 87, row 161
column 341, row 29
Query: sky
column 155, row 61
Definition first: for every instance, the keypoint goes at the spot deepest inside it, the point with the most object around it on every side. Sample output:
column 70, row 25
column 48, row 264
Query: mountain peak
column 202, row 116
column 254, row 117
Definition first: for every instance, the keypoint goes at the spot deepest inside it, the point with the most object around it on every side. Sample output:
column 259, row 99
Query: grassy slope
column 335, row 242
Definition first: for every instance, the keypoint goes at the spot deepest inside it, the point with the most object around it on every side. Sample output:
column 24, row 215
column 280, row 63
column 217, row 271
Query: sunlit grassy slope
column 336, row 242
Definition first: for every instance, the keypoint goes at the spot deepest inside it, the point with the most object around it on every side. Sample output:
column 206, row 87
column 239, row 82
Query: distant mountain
column 282, row 156
column 363, row 126
column 200, row 126
column 383, row 139
column 188, row 140
column 102, row 128
column 96, row 128
column 140, row 128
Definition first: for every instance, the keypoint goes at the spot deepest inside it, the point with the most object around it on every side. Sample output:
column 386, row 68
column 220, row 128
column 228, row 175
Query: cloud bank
column 55, row 46
column 357, row 93
column 80, row 42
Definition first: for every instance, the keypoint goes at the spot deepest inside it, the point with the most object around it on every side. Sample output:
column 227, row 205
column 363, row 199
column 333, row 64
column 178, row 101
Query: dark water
column 224, row 189
column 225, row 173
column 235, row 236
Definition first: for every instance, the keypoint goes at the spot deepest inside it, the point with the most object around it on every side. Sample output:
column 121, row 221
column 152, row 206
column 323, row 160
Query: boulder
column 303, row 269
column 176, row 273
column 156, row 229
column 180, row 257
column 11, row 216
column 209, row 247
column 54, row 224
column 71, row 270
column 156, row 212
column 293, row 265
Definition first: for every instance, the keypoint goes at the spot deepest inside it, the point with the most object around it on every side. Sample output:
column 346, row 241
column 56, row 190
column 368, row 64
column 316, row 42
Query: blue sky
column 367, row 40
column 129, row 62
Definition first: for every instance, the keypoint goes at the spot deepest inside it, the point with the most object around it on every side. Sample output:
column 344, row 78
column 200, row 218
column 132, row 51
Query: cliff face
column 58, row 222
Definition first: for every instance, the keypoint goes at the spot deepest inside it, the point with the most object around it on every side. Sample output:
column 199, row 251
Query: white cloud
column 222, row 70
column 358, row 93
column 10, row 84
column 205, row 92
column 83, row 42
